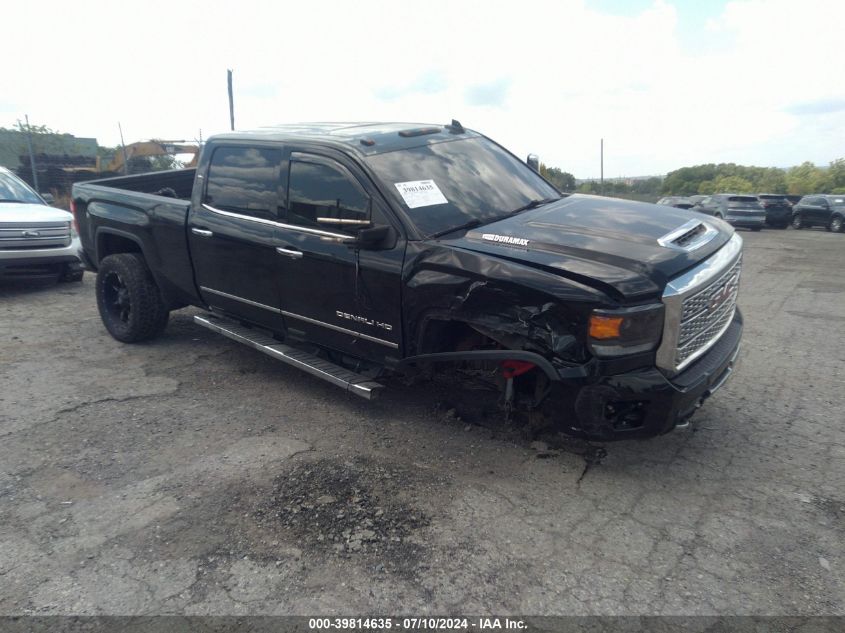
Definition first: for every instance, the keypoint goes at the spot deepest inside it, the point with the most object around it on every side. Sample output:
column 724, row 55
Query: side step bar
column 348, row 380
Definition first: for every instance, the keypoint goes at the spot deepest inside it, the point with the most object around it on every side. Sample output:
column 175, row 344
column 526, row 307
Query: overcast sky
column 666, row 83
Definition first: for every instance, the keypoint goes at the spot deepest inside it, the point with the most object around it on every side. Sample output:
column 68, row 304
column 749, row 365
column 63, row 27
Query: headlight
column 625, row 331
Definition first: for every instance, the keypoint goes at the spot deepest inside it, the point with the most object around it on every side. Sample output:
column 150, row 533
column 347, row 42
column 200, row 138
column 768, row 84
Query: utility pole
column 601, row 181
column 31, row 153
column 231, row 101
column 123, row 147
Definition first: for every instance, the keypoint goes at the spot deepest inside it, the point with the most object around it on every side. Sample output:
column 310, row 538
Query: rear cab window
column 244, row 180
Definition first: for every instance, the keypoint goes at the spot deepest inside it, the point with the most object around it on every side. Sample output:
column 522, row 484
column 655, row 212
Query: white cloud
column 550, row 77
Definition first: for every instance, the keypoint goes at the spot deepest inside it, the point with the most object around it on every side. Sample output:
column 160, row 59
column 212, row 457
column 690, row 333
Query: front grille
column 706, row 314
column 31, row 236
column 700, row 305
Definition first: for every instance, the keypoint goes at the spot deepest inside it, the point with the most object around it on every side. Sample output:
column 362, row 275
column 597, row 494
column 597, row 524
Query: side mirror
column 533, row 161
column 48, row 198
column 372, row 238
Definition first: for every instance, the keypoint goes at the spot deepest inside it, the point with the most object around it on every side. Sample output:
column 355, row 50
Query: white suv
column 37, row 241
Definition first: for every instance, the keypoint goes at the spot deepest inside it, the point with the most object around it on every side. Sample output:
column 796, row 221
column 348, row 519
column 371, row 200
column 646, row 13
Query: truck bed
column 177, row 183
column 151, row 211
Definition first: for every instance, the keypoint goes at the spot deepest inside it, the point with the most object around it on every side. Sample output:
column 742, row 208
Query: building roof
column 13, row 145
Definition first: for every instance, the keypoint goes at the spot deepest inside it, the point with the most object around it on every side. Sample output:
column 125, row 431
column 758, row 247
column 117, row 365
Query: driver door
column 331, row 292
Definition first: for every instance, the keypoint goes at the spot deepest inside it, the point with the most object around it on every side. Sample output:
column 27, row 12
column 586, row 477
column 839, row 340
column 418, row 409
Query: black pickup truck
column 355, row 250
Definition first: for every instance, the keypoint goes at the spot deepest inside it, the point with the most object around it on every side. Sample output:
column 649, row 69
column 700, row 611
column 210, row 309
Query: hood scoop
column 689, row 236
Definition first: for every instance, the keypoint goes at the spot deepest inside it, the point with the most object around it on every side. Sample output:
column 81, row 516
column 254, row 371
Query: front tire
column 797, row 221
column 130, row 304
column 836, row 224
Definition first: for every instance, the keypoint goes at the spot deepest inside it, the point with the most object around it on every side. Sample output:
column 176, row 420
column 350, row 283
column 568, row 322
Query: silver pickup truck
column 37, row 241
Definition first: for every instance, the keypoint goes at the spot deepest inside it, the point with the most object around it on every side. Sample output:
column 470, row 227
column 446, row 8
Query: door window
column 323, row 196
column 244, row 180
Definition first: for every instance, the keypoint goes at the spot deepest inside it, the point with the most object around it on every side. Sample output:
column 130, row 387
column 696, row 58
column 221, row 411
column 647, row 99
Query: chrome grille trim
column 691, row 328
column 28, row 235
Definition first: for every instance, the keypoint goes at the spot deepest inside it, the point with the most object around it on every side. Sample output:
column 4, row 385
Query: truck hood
column 35, row 213
column 607, row 243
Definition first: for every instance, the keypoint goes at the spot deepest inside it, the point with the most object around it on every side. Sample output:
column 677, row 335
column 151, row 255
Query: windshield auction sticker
column 420, row 193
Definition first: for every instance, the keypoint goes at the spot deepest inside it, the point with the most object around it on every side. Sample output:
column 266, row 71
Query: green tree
column 807, row 178
column 563, row 180
column 836, row 174
column 772, row 180
column 733, row 184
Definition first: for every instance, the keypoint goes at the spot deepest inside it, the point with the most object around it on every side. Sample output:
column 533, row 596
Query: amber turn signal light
column 605, row 327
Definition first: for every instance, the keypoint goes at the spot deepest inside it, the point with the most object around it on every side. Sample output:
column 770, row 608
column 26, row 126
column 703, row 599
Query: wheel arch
column 111, row 241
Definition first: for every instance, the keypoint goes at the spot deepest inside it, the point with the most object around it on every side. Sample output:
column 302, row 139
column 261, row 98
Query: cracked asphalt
column 191, row 475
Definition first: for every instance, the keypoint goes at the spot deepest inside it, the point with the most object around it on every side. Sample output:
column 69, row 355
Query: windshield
column 446, row 185
column 12, row 189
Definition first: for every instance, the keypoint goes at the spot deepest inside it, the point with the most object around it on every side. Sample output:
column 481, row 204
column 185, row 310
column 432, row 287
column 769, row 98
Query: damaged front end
column 561, row 353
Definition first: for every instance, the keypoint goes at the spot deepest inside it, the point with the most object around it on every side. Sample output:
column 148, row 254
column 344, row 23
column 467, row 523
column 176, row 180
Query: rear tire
column 797, row 221
column 130, row 304
column 837, row 225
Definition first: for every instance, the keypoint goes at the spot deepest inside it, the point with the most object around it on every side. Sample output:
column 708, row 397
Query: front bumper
column 38, row 262
column 646, row 403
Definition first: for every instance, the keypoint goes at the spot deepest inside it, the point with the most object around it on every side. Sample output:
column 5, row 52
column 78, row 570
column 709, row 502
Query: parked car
column 679, row 202
column 354, row 250
column 778, row 209
column 820, row 210
column 741, row 210
column 37, row 241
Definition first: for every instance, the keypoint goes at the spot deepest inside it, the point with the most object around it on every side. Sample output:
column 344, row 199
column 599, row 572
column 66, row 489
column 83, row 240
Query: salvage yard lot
column 193, row 475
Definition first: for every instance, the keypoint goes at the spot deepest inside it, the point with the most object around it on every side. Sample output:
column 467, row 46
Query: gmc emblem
column 723, row 295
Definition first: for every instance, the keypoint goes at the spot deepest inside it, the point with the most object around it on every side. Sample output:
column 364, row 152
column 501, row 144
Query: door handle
column 289, row 252
column 202, row 232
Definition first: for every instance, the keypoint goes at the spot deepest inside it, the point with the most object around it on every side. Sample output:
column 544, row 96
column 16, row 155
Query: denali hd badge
column 359, row 319
column 505, row 239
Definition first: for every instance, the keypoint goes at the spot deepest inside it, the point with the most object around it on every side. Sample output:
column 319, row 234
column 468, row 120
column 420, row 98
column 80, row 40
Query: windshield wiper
column 9, row 200
column 533, row 204
column 467, row 225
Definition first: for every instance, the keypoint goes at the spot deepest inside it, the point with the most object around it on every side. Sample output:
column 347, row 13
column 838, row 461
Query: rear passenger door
column 810, row 210
column 824, row 212
column 232, row 232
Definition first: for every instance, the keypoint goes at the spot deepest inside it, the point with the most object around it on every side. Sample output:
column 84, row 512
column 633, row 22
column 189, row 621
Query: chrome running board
column 349, row 381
